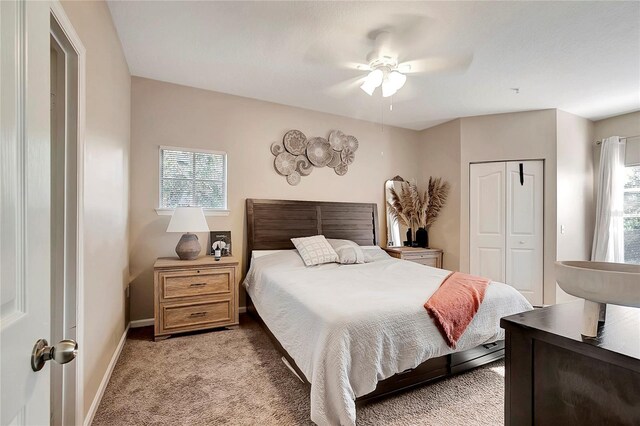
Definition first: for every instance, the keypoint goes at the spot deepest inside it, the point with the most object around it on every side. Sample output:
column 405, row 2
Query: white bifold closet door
column 506, row 224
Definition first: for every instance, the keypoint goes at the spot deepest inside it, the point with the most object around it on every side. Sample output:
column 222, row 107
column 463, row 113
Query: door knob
column 65, row 351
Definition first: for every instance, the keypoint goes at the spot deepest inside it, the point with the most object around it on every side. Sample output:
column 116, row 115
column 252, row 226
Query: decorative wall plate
column 347, row 156
column 297, row 156
column 295, row 142
column 277, row 148
column 352, row 143
column 335, row 160
column 293, row 178
column 319, row 152
column 337, row 140
column 303, row 166
column 285, row 163
column 341, row 169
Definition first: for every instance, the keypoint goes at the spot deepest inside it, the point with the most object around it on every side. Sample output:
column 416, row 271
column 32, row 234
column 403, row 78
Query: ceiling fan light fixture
column 368, row 88
column 397, row 79
column 372, row 81
column 375, row 77
column 388, row 88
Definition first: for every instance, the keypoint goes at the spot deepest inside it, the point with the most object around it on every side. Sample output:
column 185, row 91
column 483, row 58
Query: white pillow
column 373, row 253
column 348, row 251
column 315, row 250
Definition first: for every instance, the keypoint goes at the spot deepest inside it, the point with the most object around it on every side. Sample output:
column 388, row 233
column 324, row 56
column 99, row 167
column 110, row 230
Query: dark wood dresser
column 554, row 376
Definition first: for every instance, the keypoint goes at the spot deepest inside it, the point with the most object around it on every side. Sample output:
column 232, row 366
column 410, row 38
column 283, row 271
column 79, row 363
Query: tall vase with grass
column 415, row 209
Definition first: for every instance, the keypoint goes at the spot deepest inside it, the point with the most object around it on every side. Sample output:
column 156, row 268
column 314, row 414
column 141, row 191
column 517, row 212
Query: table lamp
column 188, row 220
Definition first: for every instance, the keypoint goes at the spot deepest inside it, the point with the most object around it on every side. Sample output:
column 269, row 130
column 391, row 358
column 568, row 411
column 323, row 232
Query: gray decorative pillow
column 315, row 250
column 348, row 251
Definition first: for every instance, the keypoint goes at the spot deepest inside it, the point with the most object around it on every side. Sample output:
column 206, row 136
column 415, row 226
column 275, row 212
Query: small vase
column 409, row 241
column 422, row 237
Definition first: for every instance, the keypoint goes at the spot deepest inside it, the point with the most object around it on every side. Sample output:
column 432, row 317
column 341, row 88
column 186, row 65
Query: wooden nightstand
column 194, row 294
column 424, row 256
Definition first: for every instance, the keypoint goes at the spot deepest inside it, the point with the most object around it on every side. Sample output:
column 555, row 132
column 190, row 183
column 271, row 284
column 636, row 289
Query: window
column 190, row 178
column 632, row 215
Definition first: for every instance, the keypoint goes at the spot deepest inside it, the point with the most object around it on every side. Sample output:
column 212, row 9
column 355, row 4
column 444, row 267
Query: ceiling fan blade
column 402, row 33
column 345, row 88
column 437, row 64
column 358, row 66
column 325, row 51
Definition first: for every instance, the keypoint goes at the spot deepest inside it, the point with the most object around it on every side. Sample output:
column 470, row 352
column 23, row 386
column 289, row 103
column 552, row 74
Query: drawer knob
column 198, row 314
column 197, row 284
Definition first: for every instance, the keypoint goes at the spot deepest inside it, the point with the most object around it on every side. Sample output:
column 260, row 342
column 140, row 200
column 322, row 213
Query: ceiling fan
column 400, row 49
column 384, row 69
column 387, row 72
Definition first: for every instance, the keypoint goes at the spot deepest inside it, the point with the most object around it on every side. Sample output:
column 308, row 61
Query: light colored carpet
column 236, row 377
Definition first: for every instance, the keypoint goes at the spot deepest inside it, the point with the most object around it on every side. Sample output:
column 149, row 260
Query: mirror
column 396, row 232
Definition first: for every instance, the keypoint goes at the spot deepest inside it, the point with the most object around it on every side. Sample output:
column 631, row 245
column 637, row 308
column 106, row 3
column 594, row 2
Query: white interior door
column 487, row 220
column 24, row 209
column 524, row 249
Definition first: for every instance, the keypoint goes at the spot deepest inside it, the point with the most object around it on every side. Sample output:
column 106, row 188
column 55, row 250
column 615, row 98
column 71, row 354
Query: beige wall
column 106, row 189
column 168, row 114
column 527, row 135
column 575, row 197
column 562, row 140
column 621, row 125
column 626, row 125
column 440, row 157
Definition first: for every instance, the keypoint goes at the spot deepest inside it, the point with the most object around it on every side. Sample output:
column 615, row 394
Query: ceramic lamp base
column 188, row 247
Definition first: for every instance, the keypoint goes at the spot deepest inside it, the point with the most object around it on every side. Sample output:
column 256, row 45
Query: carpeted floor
column 236, row 377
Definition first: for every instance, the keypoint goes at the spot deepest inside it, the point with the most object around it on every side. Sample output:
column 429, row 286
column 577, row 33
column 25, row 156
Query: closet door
column 524, row 233
column 487, row 225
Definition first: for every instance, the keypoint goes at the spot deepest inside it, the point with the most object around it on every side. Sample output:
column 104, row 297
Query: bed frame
column 270, row 226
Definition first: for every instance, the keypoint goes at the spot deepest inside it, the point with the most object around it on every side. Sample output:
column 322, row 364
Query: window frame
column 629, row 191
column 168, row 211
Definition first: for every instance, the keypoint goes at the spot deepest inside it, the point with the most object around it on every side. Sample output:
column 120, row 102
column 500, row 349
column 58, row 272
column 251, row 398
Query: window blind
column 192, row 179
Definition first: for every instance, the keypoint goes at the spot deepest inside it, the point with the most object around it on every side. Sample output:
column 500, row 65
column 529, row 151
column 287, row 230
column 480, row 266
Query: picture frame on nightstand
column 220, row 240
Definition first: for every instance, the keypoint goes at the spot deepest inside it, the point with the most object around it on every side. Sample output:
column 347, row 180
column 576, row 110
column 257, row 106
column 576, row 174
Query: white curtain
column 608, row 238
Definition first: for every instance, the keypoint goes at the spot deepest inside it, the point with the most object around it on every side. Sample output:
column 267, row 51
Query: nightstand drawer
column 198, row 282
column 424, row 256
column 196, row 315
column 428, row 261
column 418, row 256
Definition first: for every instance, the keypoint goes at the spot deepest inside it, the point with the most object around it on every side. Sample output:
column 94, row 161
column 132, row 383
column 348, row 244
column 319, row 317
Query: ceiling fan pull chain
column 382, row 114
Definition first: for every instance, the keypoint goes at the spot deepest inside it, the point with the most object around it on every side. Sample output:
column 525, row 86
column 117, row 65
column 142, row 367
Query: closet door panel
column 524, row 232
column 487, row 220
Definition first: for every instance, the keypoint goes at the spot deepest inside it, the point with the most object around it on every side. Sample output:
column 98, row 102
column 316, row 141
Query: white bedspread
column 350, row 326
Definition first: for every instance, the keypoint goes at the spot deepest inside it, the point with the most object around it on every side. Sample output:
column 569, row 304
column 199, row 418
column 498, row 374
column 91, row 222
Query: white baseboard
column 105, row 379
column 141, row 323
column 242, row 310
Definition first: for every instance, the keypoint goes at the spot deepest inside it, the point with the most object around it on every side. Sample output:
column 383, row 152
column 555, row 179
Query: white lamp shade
column 188, row 219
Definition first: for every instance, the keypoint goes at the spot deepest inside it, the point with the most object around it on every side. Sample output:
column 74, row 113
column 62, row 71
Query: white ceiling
column 581, row 57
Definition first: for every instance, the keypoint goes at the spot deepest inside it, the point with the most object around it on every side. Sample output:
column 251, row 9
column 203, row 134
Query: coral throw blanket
column 455, row 303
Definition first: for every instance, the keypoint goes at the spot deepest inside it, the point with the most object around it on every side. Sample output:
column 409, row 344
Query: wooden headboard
column 272, row 223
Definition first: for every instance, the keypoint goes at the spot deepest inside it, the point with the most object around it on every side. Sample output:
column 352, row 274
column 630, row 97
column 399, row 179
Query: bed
column 356, row 332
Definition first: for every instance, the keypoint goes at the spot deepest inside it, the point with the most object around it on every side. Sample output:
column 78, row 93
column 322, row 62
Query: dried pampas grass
column 438, row 193
column 410, row 207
